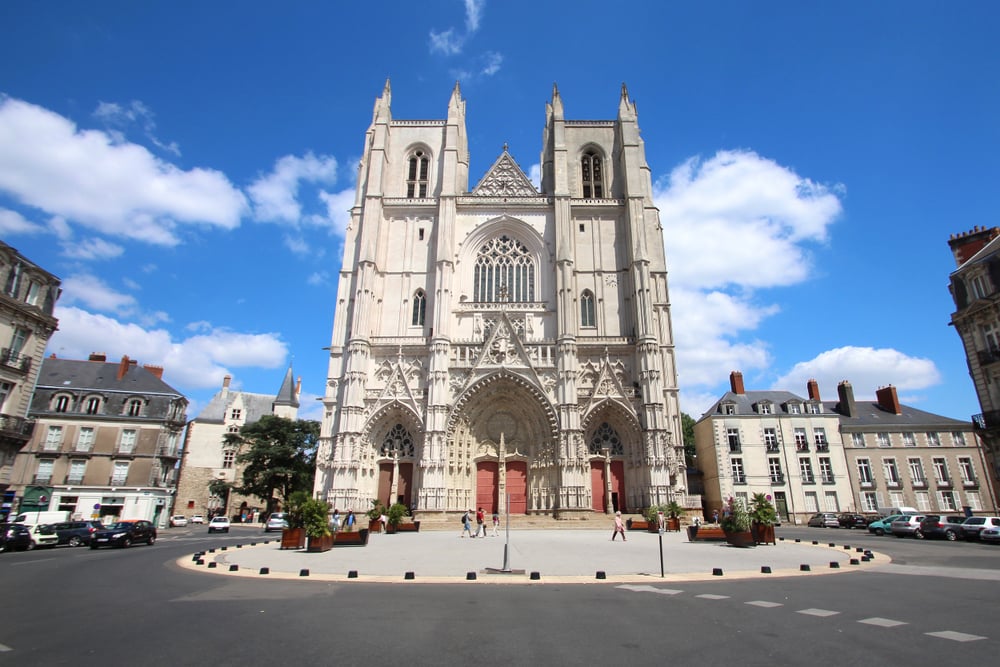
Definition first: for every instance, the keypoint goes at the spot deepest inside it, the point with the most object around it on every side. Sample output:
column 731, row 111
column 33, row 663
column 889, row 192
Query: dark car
column 76, row 533
column 15, row 537
column 853, row 521
column 937, row 525
column 124, row 534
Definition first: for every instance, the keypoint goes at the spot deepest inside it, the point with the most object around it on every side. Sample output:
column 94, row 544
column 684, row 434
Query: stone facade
column 506, row 341
column 207, row 457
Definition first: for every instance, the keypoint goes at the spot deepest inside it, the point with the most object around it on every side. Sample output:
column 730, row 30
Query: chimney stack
column 846, row 406
column 888, row 400
column 812, row 387
column 965, row 245
column 736, row 382
column 97, row 356
column 225, row 384
column 123, row 367
column 155, row 370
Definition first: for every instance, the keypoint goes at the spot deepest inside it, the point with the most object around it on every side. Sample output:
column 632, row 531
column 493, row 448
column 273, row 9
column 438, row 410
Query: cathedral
column 506, row 347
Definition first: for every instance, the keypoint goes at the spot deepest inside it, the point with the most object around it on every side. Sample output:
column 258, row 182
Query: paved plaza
column 575, row 556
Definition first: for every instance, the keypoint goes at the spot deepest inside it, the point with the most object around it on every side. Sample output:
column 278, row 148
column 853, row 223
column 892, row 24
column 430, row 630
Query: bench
column 350, row 538
column 699, row 533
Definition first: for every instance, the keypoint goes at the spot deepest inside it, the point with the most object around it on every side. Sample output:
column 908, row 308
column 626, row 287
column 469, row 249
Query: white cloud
column 759, row 220
column 493, row 62
column 473, row 14
column 118, row 189
column 318, row 278
column 865, row 368
column 275, row 195
column 91, row 249
column 12, row 222
column 338, row 209
column 197, row 362
column 95, row 293
column 116, row 116
column 450, row 42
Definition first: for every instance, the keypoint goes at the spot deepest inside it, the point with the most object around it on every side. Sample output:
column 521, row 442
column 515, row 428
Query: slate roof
column 98, row 375
column 255, row 406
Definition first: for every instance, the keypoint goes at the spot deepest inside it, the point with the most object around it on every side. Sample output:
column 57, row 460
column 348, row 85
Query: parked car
column 178, row 521
column 853, row 520
column 907, row 524
column 197, row 518
column 824, row 520
column 882, row 526
column 44, row 535
column 974, row 525
column 124, row 534
column 218, row 524
column 948, row 527
column 276, row 521
column 76, row 533
column 990, row 535
column 15, row 537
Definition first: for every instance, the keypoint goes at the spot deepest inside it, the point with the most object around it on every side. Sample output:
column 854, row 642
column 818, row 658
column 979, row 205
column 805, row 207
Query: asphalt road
column 934, row 606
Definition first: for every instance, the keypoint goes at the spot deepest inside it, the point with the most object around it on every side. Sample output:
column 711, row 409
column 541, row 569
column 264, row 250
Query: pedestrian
column 467, row 524
column 335, row 521
column 496, row 523
column 619, row 527
column 715, row 516
column 480, row 522
column 349, row 521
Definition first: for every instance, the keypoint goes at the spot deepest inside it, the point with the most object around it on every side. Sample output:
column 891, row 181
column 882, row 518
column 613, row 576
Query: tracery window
column 593, row 175
column 416, row 176
column 397, row 442
column 606, row 438
column 587, row 309
column 419, row 308
column 504, row 272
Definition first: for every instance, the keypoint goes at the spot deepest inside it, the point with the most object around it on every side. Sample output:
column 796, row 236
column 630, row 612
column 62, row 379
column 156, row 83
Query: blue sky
column 185, row 168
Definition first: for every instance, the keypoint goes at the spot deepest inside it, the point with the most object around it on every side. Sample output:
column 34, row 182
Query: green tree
column 279, row 455
column 687, row 426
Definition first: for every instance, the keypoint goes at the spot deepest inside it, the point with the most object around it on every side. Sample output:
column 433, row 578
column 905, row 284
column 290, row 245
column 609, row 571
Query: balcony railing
column 987, row 420
column 866, row 484
column 987, row 357
column 894, row 484
column 944, row 483
column 778, row 479
column 739, row 479
column 970, row 483
column 14, row 361
column 829, row 479
column 734, row 449
column 16, row 427
column 919, row 484
column 802, row 447
column 76, row 479
column 43, row 479
column 772, row 446
column 824, row 447
column 169, row 452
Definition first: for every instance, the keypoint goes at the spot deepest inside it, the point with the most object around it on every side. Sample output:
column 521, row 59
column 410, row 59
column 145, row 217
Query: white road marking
column 882, row 622
column 711, row 596
column 954, row 636
column 817, row 612
column 764, row 603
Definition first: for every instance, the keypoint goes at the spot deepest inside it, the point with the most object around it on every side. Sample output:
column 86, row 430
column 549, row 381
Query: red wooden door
column 599, row 500
column 517, row 487
column 487, row 485
column 618, row 484
column 385, row 484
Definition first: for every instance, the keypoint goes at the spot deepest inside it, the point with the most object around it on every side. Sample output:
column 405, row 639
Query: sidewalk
column 555, row 555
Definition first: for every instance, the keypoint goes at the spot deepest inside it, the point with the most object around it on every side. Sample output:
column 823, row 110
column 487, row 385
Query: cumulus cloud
column 763, row 220
column 450, row 42
column 119, row 189
column 275, row 195
column 866, row 368
column 197, row 362
column 91, row 249
column 94, row 293
column 117, row 118
column 12, row 223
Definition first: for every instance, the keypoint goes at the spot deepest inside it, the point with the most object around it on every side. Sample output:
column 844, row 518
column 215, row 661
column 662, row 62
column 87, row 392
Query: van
column 888, row 511
column 40, row 518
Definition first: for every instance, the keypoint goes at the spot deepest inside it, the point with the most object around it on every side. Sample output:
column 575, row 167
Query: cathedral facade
column 506, row 347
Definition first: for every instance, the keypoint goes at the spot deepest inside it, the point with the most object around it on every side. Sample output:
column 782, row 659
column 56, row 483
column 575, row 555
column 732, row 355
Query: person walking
column 349, row 521
column 619, row 527
column 480, row 522
column 335, row 520
column 496, row 524
column 467, row 524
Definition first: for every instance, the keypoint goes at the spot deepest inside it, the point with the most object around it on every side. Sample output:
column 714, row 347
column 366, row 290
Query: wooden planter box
column 673, row 525
column 293, row 538
column 702, row 533
column 320, row 544
column 763, row 534
column 407, row 527
column 637, row 524
column 375, row 525
column 350, row 538
column 740, row 539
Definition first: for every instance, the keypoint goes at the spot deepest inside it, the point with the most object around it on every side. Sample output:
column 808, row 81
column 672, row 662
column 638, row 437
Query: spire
column 383, row 103
column 557, row 105
column 626, row 109
column 287, row 395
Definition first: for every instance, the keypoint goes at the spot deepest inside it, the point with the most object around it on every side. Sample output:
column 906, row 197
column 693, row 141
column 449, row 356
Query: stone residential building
column 504, row 341
column 975, row 288
column 106, row 441
column 27, row 302
column 773, row 442
column 900, row 456
column 207, row 457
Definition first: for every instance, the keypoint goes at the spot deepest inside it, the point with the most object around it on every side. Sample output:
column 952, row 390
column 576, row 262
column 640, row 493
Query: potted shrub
column 763, row 516
column 294, row 537
column 651, row 515
column 736, row 523
column 394, row 516
column 316, row 524
column 375, row 516
column 674, row 511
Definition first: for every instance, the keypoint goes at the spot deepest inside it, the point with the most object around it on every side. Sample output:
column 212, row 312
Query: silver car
column 907, row 525
column 276, row 521
column 974, row 525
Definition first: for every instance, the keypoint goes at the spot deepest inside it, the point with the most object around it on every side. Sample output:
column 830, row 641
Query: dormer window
column 61, row 404
column 416, row 175
column 93, row 405
column 134, row 407
column 794, row 408
column 593, row 175
column 764, row 408
column 728, row 409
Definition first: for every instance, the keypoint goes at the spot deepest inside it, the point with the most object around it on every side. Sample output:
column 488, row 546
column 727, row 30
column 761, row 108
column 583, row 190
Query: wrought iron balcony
column 823, row 447
column 778, row 479
column 15, row 361
column 802, row 447
column 987, row 357
column 16, row 427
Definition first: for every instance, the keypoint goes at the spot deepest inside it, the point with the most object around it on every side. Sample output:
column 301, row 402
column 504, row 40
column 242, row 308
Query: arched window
column 606, row 438
column 593, row 175
column 397, row 442
column 416, row 176
column 61, row 403
column 504, row 272
column 419, row 308
column 587, row 309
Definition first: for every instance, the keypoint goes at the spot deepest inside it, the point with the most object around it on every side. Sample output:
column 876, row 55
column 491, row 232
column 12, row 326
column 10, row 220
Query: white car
column 218, row 524
column 197, row 518
column 276, row 521
column 178, row 521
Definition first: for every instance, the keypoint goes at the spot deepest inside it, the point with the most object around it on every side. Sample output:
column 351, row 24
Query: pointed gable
column 505, row 179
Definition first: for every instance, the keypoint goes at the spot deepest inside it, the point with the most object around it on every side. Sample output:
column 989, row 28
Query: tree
column 279, row 455
column 687, row 426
